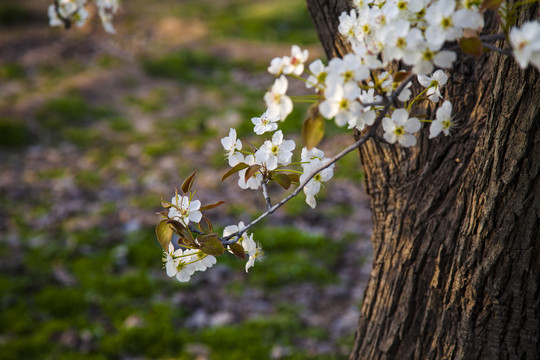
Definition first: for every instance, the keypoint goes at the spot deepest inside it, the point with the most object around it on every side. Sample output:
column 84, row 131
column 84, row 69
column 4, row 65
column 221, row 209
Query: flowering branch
column 234, row 237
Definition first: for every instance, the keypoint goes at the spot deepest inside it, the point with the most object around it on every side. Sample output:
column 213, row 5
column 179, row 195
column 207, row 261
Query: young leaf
column 313, row 128
column 210, row 244
column 251, row 171
column 401, row 75
column 177, row 226
column 164, row 234
column 188, row 183
column 165, row 204
column 237, row 168
column 283, row 180
column 295, row 178
column 211, row 206
column 206, row 225
column 238, row 250
column 472, row 46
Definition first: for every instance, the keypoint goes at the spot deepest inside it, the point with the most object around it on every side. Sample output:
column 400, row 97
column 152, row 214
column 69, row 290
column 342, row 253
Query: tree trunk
column 456, row 221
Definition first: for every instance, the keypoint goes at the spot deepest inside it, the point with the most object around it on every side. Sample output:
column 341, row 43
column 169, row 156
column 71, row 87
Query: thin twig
column 499, row 50
column 266, row 196
column 234, row 237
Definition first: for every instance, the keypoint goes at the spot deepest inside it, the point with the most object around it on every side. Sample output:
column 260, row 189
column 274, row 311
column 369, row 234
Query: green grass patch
column 69, row 110
column 12, row 71
column 14, row 133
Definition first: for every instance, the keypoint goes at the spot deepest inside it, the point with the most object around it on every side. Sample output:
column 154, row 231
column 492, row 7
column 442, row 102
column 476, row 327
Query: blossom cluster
column 65, row 12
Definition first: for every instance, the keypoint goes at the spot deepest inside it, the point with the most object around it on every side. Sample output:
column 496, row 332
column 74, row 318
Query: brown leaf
column 295, row 178
column 251, row 171
column 238, row 250
column 165, row 204
column 401, row 75
column 188, row 183
column 211, row 206
column 313, row 128
column 237, row 168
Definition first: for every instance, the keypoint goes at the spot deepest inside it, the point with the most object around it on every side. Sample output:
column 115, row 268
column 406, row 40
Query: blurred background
column 95, row 127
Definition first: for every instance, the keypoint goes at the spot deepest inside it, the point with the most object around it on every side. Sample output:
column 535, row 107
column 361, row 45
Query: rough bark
column 456, row 268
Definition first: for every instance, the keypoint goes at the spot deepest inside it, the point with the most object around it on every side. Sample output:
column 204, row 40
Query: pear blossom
column 179, row 263
column 233, row 146
column 341, row 103
column 69, row 10
column 400, row 128
column 203, row 261
column 276, row 100
column 184, row 210
column 106, row 11
column 276, row 66
column 276, row 151
column 434, row 83
column 318, row 74
column 313, row 187
column 440, row 16
column 443, row 121
column 255, row 253
column 266, row 122
column 295, row 63
column 256, row 179
column 311, row 158
column 348, row 69
column 525, row 42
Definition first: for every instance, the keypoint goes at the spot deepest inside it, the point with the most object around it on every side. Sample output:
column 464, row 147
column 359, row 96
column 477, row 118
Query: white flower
column 434, row 83
column 318, row 74
column 106, row 11
column 179, row 263
column 276, row 151
column 252, row 249
column 525, row 42
column 400, row 128
column 348, row 69
column 276, row 100
column 341, row 103
column 347, row 25
column 233, row 146
column 295, row 63
column 203, row 261
column 255, row 181
column 69, row 10
column 185, row 210
column 266, row 122
column 440, row 16
column 276, row 66
column 311, row 158
column 443, row 121
column 255, row 253
column 313, row 187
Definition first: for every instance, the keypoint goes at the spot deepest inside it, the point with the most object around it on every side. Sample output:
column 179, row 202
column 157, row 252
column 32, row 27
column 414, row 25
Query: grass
column 14, row 133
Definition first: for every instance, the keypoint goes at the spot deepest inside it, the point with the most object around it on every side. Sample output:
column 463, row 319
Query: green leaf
column 211, row 206
column 313, row 128
column 472, row 46
column 210, row 244
column 238, row 250
column 491, row 4
column 164, row 234
column 235, row 169
column 283, row 180
column 251, row 171
column 188, row 183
